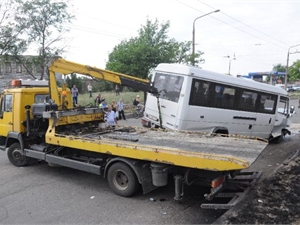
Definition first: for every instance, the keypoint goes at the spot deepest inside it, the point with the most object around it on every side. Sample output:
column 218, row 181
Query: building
column 10, row 69
column 275, row 77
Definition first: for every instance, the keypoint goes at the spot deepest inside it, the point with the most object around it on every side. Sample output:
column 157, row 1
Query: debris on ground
column 276, row 200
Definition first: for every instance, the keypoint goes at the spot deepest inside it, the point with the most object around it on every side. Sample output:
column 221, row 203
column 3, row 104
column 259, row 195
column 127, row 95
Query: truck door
column 6, row 114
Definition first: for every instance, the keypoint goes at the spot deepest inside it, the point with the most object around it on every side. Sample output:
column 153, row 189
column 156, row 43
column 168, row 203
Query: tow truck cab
column 28, row 98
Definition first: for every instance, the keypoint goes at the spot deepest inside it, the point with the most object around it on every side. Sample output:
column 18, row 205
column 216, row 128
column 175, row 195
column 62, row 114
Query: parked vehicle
column 290, row 89
column 199, row 100
column 296, row 88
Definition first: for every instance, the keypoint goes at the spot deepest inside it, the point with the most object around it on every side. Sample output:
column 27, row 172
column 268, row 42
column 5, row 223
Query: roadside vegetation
column 126, row 96
column 294, row 95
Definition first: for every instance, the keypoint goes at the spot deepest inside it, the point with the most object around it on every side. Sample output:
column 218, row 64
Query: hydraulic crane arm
column 65, row 67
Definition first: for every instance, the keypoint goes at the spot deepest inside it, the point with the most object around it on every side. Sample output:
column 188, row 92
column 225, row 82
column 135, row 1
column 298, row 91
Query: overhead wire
column 92, row 30
column 230, row 24
column 245, row 24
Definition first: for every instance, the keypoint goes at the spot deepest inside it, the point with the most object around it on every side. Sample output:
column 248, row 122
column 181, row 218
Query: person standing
column 117, row 90
column 90, row 90
column 111, row 119
column 74, row 91
column 114, row 106
column 121, row 109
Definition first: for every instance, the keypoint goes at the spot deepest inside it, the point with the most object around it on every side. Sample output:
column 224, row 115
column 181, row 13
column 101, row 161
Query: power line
column 245, row 24
column 250, row 58
column 232, row 26
column 105, row 21
column 92, row 30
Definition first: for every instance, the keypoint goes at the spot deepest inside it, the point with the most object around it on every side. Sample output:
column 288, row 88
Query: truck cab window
column 8, row 100
column 41, row 98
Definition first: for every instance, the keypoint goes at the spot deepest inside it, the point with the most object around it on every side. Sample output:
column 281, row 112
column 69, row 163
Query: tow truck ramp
column 235, row 189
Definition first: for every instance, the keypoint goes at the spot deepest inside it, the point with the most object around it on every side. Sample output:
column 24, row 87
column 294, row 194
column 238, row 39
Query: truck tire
column 15, row 156
column 122, row 179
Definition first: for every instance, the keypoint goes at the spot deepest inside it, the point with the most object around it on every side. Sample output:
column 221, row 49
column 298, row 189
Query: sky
column 248, row 36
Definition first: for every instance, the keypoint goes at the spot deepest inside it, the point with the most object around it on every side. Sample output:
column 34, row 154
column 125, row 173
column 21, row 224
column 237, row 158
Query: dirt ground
column 275, row 199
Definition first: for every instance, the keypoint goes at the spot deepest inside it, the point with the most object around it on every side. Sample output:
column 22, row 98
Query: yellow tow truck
column 38, row 121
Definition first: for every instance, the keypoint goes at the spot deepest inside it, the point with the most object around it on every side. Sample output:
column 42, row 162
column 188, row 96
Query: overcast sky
column 259, row 33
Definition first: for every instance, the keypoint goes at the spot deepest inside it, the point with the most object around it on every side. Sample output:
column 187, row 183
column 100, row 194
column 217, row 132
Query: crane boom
column 65, row 67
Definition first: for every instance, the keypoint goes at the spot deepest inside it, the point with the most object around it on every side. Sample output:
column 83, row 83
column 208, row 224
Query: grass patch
column 294, row 95
column 127, row 97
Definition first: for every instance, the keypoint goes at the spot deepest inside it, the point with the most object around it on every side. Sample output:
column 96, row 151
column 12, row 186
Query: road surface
column 41, row 194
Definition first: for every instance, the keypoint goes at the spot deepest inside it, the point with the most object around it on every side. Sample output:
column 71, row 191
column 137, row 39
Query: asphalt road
column 38, row 194
column 296, row 117
column 42, row 194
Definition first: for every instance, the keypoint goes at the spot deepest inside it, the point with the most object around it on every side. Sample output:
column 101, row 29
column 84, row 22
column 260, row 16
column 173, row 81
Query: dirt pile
column 276, row 200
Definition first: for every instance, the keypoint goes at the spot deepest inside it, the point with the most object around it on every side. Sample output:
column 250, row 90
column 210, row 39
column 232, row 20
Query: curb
column 129, row 115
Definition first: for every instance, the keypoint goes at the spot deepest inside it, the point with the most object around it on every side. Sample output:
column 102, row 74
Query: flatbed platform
column 191, row 149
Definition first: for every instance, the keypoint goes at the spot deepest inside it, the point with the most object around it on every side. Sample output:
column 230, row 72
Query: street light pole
column 230, row 63
column 287, row 66
column 193, row 40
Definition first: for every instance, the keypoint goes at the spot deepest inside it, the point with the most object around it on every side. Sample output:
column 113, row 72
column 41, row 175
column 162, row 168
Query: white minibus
column 194, row 99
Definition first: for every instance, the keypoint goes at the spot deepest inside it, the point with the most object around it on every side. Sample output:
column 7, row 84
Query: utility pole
column 234, row 58
column 193, row 39
column 287, row 66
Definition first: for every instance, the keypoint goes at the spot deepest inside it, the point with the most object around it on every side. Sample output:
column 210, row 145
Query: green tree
column 45, row 23
column 78, row 81
column 294, row 71
column 138, row 55
column 10, row 32
column 277, row 68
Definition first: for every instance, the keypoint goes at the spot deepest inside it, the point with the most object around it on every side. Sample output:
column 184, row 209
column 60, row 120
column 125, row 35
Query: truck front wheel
column 15, row 156
column 122, row 179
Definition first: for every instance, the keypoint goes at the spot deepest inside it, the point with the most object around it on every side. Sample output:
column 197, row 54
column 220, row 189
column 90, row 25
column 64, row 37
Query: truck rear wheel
column 122, row 179
column 15, row 156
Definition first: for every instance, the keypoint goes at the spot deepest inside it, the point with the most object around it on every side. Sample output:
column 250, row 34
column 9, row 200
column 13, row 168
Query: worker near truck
column 137, row 102
column 111, row 117
column 74, row 91
column 120, row 105
column 90, row 90
column 98, row 100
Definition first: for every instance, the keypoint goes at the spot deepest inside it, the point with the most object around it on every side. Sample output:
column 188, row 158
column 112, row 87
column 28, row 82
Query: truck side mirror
column 27, row 107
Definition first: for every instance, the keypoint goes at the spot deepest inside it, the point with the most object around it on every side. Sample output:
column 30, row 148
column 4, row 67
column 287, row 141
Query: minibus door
column 265, row 117
column 263, row 125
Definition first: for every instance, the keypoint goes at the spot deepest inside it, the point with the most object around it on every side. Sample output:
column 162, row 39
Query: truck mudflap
column 231, row 192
